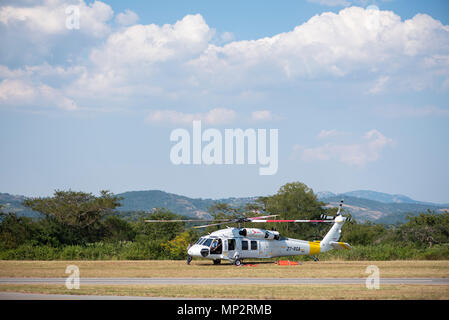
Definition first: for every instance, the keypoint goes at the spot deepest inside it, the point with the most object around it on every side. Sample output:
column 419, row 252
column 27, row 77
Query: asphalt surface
column 187, row 281
column 221, row 281
column 41, row 296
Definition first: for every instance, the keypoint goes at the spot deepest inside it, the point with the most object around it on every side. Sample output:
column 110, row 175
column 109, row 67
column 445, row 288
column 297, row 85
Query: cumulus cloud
column 333, row 44
column 51, row 29
column 127, row 18
column 17, row 93
column 227, row 36
column 147, row 44
column 353, row 42
column 356, row 154
column 50, row 17
column 176, row 61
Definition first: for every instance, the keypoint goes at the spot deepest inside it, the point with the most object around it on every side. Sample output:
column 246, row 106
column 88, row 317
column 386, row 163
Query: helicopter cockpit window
column 200, row 240
column 207, row 242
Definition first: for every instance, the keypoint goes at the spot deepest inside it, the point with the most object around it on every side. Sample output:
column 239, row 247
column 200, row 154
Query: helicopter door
column 263, row 249
column 216, row 247
column 230, row 247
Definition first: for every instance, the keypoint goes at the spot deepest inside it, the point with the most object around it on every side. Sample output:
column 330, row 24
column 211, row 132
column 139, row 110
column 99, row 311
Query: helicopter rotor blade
column 193, row 220
column 214, row 224
column 259, row 219
column 302, row 221
column 262, row 217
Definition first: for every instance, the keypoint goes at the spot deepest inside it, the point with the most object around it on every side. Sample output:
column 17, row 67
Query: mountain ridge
column 377, row 196
column 376, row 209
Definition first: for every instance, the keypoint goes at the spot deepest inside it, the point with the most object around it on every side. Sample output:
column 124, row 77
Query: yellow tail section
column 314, row 247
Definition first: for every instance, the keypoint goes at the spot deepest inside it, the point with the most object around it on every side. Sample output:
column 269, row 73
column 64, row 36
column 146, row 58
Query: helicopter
column 237, row 244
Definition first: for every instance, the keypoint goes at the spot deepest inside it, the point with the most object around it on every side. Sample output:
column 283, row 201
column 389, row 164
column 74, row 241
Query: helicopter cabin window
column 253, row 245
column 231, row 244
column 244, row 245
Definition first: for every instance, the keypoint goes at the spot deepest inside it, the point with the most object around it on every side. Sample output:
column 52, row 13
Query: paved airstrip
column 221, row 281
column 189, row 281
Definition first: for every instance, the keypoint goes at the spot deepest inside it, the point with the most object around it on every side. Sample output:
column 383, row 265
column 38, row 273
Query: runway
column 42, row 296
column 223, row 281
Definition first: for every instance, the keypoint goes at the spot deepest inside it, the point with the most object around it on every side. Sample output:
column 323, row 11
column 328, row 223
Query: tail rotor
column 340, row 207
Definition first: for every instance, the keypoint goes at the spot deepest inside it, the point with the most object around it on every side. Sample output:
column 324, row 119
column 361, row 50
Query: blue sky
column 358, row 91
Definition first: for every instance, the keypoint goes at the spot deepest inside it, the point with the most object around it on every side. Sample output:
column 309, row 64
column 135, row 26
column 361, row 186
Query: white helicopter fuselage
column 242, row 243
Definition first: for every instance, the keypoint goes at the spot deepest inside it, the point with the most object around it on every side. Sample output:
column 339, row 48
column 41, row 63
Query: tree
column 425, row 229
column 117, row 229
column 295, row 201
column 160, row 230
column 364, row 234
column 177, row 248
column 15, row 230
column 77, row 217
column 221, row 210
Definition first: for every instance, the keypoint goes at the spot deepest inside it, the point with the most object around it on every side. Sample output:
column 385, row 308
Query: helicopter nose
column 198, row 251
column 194, row 251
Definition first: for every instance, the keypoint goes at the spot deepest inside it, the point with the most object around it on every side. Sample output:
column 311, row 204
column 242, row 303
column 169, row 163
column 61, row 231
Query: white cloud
column 17, row 93
column 44, row 31
column 261, row 115
column 50, row 17
column 333, row 45
column 216, row 116
column 145, row 59
column 356, row 154
column 127, row 18
column 175, row 62
column 379, row 85
column 143, row 45
column 227, row 36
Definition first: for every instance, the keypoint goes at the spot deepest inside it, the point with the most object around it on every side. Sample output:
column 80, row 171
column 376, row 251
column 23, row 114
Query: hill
column 385, row 197
column 190, row 207
column 13, row 203
column 380, row 212
column 364, row 205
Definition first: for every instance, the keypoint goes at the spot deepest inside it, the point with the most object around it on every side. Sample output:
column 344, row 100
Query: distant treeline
column 81, row 226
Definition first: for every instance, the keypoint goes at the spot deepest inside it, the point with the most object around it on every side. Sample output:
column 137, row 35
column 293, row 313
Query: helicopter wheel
column 238, row 262
column 217, row 261
column 189, row 259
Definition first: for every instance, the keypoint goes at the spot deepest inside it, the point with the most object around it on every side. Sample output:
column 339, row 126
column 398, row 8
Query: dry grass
column 285, row 292
column 204, row 268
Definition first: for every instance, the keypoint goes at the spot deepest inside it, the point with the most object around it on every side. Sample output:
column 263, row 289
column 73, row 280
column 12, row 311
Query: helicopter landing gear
column 189, row 259
column 315, row 258
column 238, row 262
column 217, row 261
